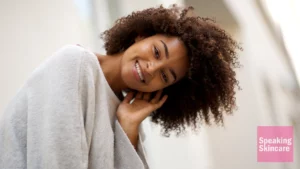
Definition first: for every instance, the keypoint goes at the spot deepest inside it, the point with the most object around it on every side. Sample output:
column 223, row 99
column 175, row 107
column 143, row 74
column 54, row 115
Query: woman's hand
column 130, row 115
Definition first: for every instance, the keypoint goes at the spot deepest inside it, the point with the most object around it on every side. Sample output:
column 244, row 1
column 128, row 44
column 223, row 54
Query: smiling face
column 154, row 63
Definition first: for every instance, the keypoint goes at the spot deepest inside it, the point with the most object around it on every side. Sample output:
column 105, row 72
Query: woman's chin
column 139, row 88
column 136, row 89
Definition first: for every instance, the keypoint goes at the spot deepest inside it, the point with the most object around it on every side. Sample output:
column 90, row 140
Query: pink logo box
column 275, row 144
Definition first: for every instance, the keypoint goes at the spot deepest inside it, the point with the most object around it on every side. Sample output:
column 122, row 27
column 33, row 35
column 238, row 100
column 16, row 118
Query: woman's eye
column 156, row 53
column 164, row 76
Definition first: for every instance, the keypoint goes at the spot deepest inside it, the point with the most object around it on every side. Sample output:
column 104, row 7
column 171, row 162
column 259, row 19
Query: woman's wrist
column 133, row 137
column 131, row 132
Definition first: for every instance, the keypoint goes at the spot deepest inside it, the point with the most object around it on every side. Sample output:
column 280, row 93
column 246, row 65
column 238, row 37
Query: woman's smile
column 138, row 72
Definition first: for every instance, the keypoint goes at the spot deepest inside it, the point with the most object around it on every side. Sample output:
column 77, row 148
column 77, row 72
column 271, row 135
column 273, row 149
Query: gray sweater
column 64, row 118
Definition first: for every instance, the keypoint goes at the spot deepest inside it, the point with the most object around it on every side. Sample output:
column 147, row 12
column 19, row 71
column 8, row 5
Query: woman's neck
column 111, row 67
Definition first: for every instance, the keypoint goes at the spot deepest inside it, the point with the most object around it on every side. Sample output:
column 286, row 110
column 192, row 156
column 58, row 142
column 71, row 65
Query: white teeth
column 139, row 71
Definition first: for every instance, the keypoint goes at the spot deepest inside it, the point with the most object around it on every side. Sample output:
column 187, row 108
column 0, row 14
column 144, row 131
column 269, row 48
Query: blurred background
column 269, row 32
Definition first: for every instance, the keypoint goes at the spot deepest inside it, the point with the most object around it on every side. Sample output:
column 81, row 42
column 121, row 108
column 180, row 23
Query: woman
column 71, row 113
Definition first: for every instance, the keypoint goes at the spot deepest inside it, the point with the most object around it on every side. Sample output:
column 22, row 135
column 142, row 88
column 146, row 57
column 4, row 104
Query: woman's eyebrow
column 166, row 49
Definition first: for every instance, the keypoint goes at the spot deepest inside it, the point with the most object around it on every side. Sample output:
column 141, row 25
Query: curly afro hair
column 208, row 90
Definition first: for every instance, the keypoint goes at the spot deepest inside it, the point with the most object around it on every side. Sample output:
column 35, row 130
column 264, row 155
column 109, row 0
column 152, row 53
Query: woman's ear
column 139, row 38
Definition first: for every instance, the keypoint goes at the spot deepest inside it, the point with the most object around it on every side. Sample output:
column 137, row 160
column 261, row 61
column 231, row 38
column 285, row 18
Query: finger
column 139, row 95
column 128, row 97
column 147, row 96
column 161, row 102
column 154, row 107
column 156, row 97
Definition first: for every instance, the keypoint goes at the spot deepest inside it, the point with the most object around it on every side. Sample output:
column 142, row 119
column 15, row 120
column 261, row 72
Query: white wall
column 234, row 147
column 32, row 30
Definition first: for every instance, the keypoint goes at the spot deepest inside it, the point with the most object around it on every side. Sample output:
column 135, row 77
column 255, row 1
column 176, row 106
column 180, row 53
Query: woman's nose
column 153, row 67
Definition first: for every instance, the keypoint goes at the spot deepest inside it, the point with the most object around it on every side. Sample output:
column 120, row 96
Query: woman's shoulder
column 67, row 61
column 68, row 52
column 65, row 56
column 74, row 55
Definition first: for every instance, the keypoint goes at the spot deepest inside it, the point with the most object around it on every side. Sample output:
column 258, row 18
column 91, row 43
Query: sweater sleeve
column 50, row 122
column 140, row 147
column 43, row 125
